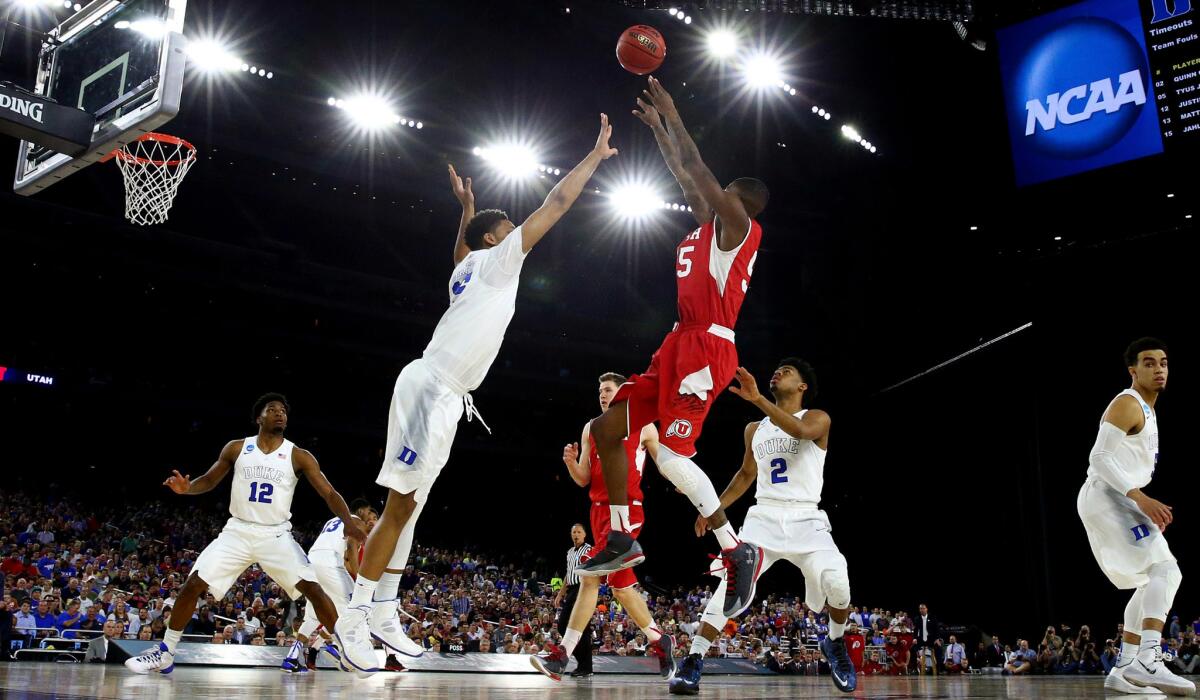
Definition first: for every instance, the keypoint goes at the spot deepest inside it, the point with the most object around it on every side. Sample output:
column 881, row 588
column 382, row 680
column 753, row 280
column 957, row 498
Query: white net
column 153, row 166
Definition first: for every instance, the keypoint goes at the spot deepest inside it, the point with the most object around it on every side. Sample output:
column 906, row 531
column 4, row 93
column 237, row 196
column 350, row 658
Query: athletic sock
column 364, row 592
column 388, row 587
column 171, row 639
column 653, row 633
column 1129, row 652
column 1151, row 640
column 700, row 645
column 570, row 640
column 296, row 651
column 726, row 536
column 836, row 629
column 618, row 517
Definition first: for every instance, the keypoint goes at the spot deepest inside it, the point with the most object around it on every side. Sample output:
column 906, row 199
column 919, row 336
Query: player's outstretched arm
column 745, row 475
column 735, row 223
column 462, row 192
column 564, row 194
column 814, row 425
column 183, row 485
column 578, row 457
column 306, row 464
column 651, row 118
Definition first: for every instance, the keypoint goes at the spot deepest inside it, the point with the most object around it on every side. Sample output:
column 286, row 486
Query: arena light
column 211, row 57
column 634, row 201
column 721, row 43
column 512, row 159
column 369, row 112
column 763, row 71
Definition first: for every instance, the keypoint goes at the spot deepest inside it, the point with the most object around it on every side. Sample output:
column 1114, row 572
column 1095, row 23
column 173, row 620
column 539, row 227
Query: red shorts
column 686, row 375
column 601, row 526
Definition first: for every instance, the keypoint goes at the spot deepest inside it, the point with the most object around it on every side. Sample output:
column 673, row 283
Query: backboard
column 121, row 61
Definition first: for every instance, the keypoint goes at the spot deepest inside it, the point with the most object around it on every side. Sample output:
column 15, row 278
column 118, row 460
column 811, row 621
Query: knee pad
column 836, row 585
column 1159, row 595
column 691, row 480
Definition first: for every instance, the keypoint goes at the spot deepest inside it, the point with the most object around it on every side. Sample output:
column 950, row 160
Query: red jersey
column 712, row 283
column 855, row 645
column 636, row 456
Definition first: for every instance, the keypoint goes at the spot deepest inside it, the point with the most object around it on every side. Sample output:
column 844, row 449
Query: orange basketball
column 641, row 49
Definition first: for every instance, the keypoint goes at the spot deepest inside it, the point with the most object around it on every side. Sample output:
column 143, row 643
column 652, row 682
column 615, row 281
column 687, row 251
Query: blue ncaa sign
column 1077, row 88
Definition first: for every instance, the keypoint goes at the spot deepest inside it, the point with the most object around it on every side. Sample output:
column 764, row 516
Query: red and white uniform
column 635, row 453
column 698, row 358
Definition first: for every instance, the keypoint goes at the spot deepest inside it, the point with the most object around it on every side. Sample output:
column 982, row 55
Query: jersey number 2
column 261, row 492
column 778, row 467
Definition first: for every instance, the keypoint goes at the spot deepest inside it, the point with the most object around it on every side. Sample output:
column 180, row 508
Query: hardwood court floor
column 39, row 681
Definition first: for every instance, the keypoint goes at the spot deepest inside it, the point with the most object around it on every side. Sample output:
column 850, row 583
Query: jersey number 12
column 261, row 492
column 778, row 467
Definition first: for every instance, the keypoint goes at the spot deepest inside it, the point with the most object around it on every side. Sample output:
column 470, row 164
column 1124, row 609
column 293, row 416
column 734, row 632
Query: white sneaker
column 157, row 658
column 354, row 639
column 387, row 628
column 1149, row 671
column 1115, row 681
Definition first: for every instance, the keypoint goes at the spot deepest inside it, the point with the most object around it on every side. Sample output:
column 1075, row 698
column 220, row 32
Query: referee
column 566, row 598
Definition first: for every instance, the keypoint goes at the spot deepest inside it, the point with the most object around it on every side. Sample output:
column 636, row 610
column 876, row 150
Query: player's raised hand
column 661, row 98
column 179, row 483
column 571, row 454
column 602, row 148
column 649, row 115
column 749, row 388
column 462, row 189
column 701, row 525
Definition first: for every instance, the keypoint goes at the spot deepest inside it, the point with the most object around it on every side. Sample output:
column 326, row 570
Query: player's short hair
column 267, row 398
column 754, row 194
column 480, row 225
column 1141, row 345
column 807, row 374
column 613, row 377
column 359, row 504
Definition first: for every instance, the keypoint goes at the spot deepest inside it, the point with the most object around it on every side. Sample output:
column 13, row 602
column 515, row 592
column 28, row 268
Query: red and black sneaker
column 393, row 664
column 552, row 662
column 664, row 650
column 621, row 552
column 742, row 564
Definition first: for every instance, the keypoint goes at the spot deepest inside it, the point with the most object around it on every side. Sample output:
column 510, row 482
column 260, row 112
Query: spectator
column 955, row 657
column 1047, row 659
column 1188, row 658
column 229, row 635
column 1089, row 660
column 217, row 639
column 1052, row 639
column 898, row 655
column 927, row 639
column 1068, row 660
column 44, row 620
column 996, row 657
column 25, row 624
column 871, row 666
column 1110, row 656
column 68, row 622
column 1022, row 660
column 97, row 650
column 144, row 634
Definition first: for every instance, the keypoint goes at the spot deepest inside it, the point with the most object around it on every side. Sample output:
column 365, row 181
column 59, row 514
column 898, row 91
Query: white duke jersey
column 263, row 484
column 1137, row 454
column 483, row 297
column 331, row 543
column 789, row 469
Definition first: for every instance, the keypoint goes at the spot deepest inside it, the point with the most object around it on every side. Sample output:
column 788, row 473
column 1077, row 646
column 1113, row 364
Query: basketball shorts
column 241, row 544
column 686, row 375
column 1125, row 542
column 602, row 525
column 799, row 534
column 422, row 421
column 333, row 577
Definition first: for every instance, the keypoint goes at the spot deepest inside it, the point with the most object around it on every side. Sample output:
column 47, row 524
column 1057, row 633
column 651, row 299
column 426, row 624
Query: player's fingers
column 468, row 184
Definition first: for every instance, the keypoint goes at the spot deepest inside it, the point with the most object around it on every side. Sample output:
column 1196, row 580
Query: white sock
column 836, row 629
column 296, row 650
column 726, row 536
column 570, row 639
column 364, row 592
column 1151, row 639
column 619, row 518
column 700, row 645
column 389, row 587
column 171, row 639
column 653, row 633
column 1128, row 653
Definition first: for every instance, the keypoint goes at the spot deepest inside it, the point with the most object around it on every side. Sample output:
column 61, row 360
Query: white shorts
column 241, row 544
column 334, row 578
column 800, row 535
column 422, row 421
column 1125, row 542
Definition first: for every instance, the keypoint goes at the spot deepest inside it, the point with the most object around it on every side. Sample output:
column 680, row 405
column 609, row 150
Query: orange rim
column 121, row 154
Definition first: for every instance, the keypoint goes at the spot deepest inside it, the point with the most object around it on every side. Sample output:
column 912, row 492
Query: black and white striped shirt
column 573, row 555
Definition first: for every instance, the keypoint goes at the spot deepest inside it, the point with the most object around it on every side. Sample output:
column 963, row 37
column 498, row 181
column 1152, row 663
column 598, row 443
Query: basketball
column 641, row 49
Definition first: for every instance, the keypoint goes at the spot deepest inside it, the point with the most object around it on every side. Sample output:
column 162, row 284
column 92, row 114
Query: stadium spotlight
column 369, row 112
column 762, row 71
column 633, row 201
column 211, row 57
column 513, row 160
column 721, row 43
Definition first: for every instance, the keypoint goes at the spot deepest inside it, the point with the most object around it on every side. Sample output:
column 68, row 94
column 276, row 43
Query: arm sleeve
column 1104, row 458
column 502, row 264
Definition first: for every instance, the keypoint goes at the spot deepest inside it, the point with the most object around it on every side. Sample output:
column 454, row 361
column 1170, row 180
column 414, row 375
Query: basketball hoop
column 153, row 165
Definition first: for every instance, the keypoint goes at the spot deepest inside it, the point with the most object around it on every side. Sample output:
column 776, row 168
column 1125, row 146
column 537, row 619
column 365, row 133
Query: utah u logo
column 680, row 428
column 407, row 456
column 1140, row 532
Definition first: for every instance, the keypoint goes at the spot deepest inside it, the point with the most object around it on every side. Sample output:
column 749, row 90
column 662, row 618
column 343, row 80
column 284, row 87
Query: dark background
column 305, row 258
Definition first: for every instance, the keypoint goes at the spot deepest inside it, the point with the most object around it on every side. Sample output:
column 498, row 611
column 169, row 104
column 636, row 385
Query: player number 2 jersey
column 789, row 469
column 1138, row 453
column 711, row 283
column 263, row 484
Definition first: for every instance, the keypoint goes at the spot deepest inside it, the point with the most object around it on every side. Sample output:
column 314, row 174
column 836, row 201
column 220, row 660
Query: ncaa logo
column 680, row 428
column 250, row 447
column 1080, row 87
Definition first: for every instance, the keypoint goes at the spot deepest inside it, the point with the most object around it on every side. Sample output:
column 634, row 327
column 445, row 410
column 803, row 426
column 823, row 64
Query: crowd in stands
column 74, row 572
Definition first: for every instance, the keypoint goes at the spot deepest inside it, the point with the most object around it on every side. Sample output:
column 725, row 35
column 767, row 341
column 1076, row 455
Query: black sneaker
column 621, row 552
column 664, row 650
column 687, row 678
column 743, row 564
column 578, row 673
column 552, row 662
column 841, row 669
